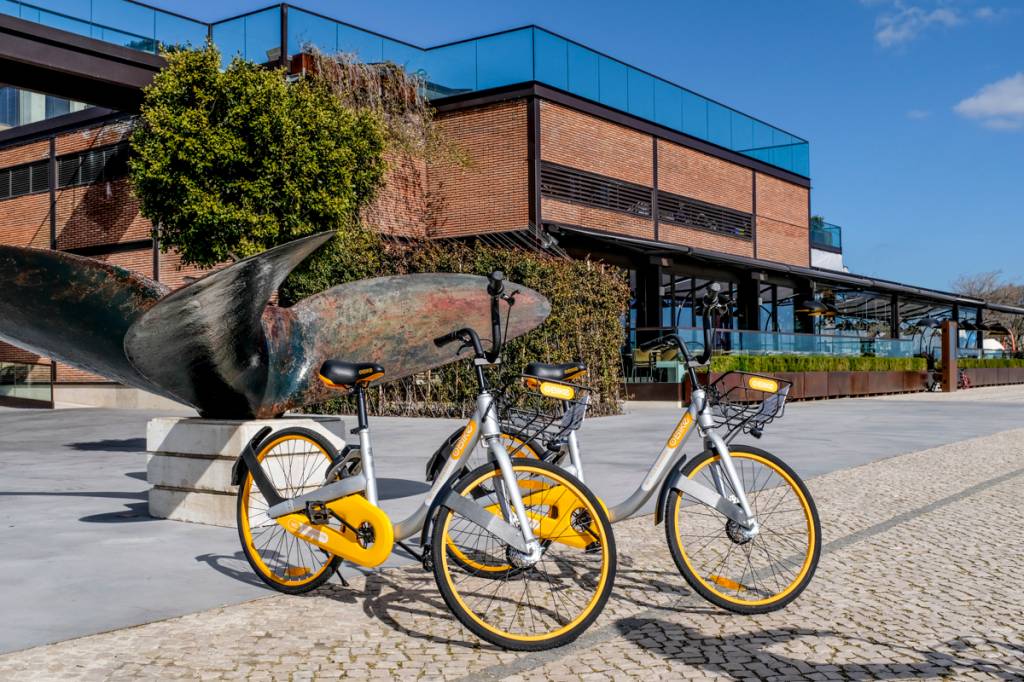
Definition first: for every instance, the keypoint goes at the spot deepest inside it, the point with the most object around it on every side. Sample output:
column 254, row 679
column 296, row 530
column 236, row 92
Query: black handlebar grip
column 443, row 341
column 496, row 283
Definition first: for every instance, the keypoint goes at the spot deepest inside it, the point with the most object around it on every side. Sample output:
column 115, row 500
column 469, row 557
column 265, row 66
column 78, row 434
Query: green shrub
column 231, row 163
column 814, row 363
column 972, row 363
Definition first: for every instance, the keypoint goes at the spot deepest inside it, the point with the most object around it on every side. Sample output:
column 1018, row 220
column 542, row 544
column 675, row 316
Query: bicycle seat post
column 365, row 449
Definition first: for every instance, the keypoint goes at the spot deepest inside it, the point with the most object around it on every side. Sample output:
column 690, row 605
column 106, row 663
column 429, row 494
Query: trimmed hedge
column 979, row 363
column 814, row 363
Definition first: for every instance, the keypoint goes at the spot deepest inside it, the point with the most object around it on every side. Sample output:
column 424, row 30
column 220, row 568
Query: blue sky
column 914, row 108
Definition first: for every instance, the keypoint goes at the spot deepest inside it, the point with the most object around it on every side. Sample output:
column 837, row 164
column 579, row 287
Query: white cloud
column 918, row 114
column 999, row 105
column 905, row 22
column 985, row 13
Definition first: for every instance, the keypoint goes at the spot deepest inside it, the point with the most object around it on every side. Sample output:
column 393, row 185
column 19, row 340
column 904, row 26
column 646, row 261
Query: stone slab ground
column 920, row 577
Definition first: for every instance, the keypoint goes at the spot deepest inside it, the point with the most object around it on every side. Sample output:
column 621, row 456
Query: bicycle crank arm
column 494, row 525
column 712, row 499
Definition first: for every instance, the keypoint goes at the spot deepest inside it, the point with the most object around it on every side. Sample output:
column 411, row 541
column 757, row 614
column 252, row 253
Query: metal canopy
column 815, row 274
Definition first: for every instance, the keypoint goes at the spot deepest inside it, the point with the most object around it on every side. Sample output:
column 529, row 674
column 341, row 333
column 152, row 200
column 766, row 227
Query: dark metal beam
column 45, row 59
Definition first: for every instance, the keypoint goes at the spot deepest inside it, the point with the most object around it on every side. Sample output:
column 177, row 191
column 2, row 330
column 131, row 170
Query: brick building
column 569, row 149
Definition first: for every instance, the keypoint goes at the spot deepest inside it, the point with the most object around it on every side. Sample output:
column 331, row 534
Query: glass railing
column 121, row 22
column 533, row 54
column 25, row 383
column 516, row 56
column 666, row 365
column 826, row 236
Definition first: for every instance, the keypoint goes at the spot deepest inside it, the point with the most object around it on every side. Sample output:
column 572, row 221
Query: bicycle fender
column 666, row 488
column 678, row 481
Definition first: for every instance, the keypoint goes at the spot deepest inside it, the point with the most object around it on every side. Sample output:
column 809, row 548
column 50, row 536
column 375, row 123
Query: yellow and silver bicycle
column 544, row 540
column 740, row 523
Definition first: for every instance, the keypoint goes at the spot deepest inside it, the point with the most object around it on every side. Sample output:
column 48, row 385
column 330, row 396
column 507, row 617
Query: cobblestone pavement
column 921, row 577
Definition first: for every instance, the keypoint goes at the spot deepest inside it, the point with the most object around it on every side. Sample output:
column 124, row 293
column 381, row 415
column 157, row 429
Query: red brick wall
column 585, row 216
column 578, row 140
column 701, row 239
column 25, row 220
column 782, row 221
column 490, row 193
column 104, row 213
column 699, row 176
column 402, row 208
column 26, row 153
column 91, row 138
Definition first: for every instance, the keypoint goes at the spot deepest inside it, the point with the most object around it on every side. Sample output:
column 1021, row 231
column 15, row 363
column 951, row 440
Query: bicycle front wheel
column 517, row 604
column 722, row 562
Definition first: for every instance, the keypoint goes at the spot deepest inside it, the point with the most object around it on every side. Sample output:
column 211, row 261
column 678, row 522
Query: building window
column 98, row 165
column 590, row 189
column 28, row 178
column 687, row 212
column 85, row 168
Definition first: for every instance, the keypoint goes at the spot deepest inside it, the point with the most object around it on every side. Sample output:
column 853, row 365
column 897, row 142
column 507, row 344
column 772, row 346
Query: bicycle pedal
column 317, row 513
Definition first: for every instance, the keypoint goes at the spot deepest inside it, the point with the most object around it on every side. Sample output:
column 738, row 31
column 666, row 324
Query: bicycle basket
column 746, row 403
column 543, row 416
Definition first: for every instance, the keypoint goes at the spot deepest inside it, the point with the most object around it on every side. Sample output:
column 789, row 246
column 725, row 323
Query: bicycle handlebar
column 468, row 335
column 711, row 302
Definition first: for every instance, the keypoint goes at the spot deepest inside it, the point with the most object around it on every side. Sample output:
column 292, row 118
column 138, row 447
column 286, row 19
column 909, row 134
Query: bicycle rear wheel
column 296, row 461
column 522, row 606
column 730, row 569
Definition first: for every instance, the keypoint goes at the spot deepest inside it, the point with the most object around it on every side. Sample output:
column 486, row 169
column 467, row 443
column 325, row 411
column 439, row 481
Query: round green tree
column 230, row 163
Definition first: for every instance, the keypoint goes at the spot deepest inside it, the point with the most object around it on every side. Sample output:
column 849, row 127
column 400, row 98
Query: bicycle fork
column 715, row 442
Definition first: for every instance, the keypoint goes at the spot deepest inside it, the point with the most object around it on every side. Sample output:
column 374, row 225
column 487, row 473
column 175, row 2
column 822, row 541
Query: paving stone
column 920, row 577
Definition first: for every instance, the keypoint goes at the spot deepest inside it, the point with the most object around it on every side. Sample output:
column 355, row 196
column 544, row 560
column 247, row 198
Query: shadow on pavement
column 233, row 566
column 743, row 655
column 134, row 512
column 111, row 445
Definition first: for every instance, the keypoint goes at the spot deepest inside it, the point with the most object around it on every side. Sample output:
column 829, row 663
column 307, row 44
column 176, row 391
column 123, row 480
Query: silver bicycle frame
column 698, row 413
column 483, row 424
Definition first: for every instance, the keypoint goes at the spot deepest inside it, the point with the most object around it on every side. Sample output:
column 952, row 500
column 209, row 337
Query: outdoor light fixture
column 813, row 308
column 967, row 326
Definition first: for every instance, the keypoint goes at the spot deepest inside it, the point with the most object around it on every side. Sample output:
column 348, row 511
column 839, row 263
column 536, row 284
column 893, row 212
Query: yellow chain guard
column 356, row 510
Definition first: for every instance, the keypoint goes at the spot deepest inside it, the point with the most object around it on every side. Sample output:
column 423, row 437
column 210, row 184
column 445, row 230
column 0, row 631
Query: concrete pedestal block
column 191, row 460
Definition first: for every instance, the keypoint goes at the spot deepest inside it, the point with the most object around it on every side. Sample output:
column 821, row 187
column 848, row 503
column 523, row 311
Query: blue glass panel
column 504, row 59
column 550, row 59
column 640, row 90
column 367, row 47
column 399, row 53
column 79, row 9
column 613, row 85
column 781, row 138
column 802, row 160
column 172, row 30
column 126, row 17
column 308, row 29
column 668, row 104
column 449, row 70
column 782, row 156
column 82, row 28
column 263, row 36
column 131, row 40
column 584, row 79
column 29, row 13
column 742, row 131
column 760, row 154
column 229, row 37
column 719, row 125
column 695, row 115
column 762, row 135
column 9, row 7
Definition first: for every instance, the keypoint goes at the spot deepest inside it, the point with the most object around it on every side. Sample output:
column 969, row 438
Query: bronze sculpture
column 217, row 345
